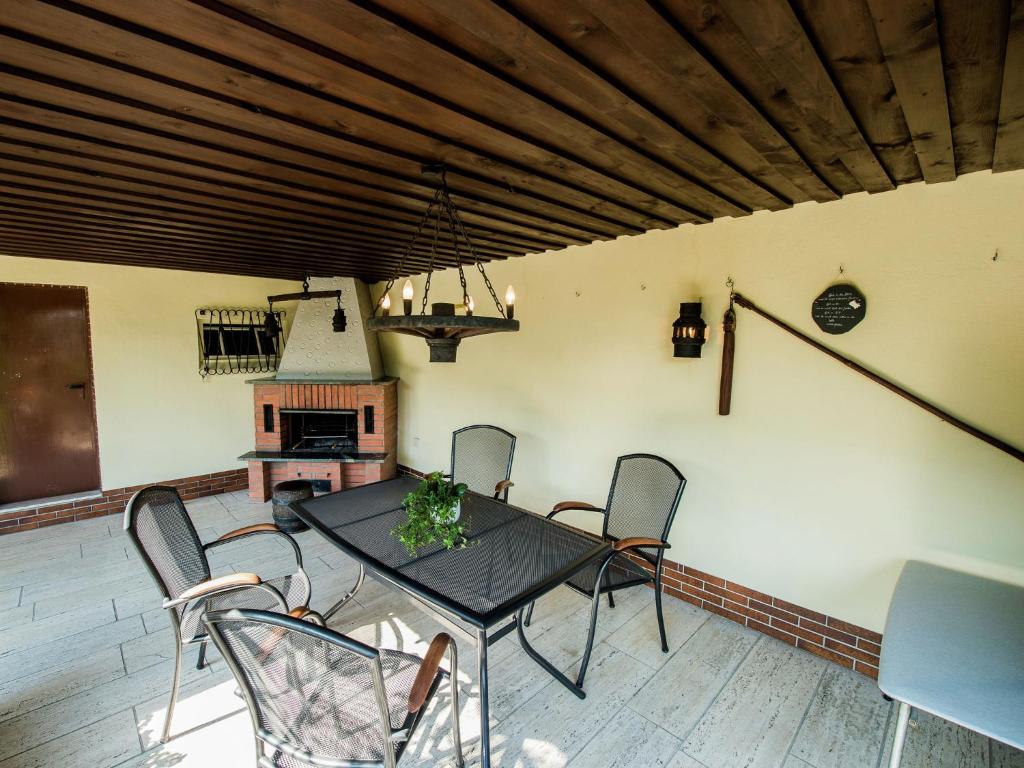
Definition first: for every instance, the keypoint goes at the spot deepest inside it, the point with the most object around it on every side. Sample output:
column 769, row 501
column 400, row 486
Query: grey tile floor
column 86, row 655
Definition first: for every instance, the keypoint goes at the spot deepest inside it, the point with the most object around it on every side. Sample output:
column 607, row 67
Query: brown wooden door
column 47, row 420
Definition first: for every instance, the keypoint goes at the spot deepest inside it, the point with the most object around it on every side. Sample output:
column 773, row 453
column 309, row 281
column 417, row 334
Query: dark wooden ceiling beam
column 101, row 105
column 309, row 265
column 39, row 164
column 781, row 39
column 95, row 175
column 703, row 158
column 496, row 31
column 298, row 243
column 311, row 236
column 908, row 31
column 337, row 259
column 477, row 90
column 721, row 39
column 973, row 36
column 263, row 103
column 286, row 137
column 416, row 260
column 1009, row 148
column 845, row 34
column 245, row 37
column 69, row 194
column 86, row 152
column 649, row 35
column 43, row 248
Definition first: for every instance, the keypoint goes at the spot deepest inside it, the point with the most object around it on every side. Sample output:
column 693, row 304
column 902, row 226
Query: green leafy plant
column 430, row 515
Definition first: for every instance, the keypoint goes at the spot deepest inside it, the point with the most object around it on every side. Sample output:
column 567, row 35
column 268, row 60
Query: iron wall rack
column 237, row 340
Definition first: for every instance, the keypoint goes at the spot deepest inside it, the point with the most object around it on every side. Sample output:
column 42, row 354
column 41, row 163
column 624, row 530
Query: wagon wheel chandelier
column 442, row 328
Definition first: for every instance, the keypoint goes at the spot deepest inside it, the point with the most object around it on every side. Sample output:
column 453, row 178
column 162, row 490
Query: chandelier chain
column 479, row 264
column 433, row 252
column 408, row 249
column 440, row 204
column 450, row 209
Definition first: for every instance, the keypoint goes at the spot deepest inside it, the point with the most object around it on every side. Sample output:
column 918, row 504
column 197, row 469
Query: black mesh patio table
column 512, row 558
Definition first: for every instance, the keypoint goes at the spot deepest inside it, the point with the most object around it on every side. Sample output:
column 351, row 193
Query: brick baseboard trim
column 113, row 502
column 833, row 639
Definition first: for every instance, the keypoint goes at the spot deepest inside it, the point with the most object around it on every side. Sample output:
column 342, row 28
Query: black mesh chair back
column 643, row 499
column 482, row 457
column 159, row 526
column 314, row 694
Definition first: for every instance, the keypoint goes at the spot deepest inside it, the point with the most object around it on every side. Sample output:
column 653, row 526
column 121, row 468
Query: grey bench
column 954, row 647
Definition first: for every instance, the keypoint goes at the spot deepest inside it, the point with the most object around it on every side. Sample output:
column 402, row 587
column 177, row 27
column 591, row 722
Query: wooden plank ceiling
column 285, row 137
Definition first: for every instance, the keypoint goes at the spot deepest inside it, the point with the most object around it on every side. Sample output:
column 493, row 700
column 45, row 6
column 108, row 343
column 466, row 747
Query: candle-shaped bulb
column 385, row 304
column 510, row 302
column 470, row 306
column 407, row 297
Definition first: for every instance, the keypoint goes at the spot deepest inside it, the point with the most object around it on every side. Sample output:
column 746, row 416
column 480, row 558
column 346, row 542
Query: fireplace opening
column 318, row 431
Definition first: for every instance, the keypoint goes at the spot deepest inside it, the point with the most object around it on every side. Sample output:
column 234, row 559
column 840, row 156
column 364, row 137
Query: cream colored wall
column 158, row 420
column 821, row 483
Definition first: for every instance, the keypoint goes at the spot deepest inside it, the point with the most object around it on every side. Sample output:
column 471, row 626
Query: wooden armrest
column 562, row 506
column 638, row 541
column 258, row 528
column 503, row 485
column 220, row 583
column 428, row 671
column 300, row 612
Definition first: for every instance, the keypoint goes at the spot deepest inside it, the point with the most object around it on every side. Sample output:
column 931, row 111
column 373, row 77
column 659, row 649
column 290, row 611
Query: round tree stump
column 284, row 494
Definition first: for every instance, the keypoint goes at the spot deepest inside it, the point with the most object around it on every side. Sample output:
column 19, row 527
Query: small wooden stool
column 284, row 494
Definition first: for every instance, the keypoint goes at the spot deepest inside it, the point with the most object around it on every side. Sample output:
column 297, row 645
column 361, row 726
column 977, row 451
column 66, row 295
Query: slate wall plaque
column 839, row 308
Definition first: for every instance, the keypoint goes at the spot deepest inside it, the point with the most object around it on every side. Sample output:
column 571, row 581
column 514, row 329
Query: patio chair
column 482, row 459
column 159, row 526
column 319, row 698
column 642, row 503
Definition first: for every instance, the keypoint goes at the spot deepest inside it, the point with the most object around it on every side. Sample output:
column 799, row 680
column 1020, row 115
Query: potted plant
column 432, row 514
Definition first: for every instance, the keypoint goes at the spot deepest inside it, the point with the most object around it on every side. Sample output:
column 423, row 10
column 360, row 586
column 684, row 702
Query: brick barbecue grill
column 338, row 434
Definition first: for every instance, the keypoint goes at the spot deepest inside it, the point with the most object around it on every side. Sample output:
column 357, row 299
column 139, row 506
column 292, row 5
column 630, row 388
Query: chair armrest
column 564, row 506
column 258, row 528
column 428, row 671
column 253, row 530
column 504, row 485
column 639, row 541
column 212, row 586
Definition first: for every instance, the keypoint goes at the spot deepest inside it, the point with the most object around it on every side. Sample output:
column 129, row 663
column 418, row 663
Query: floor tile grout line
column 803, row 718
column 722, row 687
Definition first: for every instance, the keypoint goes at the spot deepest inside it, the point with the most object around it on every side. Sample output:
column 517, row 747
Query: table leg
column 900, row 737
column 550, row 668
column 485, row 715
column 351, row 593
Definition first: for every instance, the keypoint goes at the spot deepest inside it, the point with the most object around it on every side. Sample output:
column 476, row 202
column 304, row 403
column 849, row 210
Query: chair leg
column 202, row 656
column 174, row 692
column 611, row 600
column 595, row 603
column 661, row 616
column 529, row 615
column 453, row 678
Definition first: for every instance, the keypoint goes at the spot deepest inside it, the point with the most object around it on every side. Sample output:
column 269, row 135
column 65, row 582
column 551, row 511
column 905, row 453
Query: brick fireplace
column 339, row 434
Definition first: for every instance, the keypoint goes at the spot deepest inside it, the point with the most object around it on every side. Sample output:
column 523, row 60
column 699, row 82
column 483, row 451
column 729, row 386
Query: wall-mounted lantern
column 689, row 331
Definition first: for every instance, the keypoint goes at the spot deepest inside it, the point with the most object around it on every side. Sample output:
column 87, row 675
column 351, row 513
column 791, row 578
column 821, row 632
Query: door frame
column 88, row 351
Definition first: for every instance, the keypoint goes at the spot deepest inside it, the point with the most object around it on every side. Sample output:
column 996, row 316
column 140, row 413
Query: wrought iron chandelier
column 442, row 328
